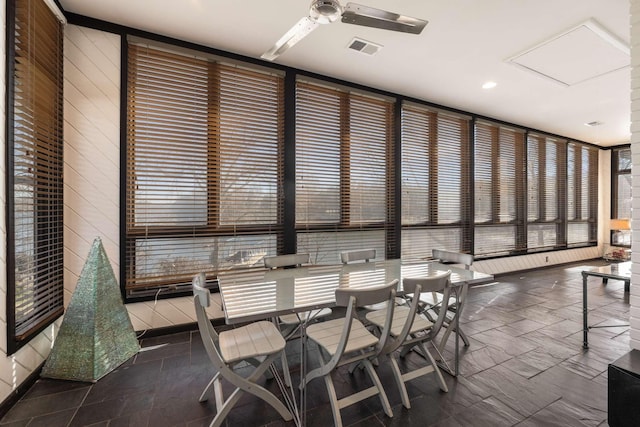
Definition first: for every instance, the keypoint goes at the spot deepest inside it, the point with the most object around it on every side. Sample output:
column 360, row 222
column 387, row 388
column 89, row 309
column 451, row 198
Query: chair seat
column 400, row 315
column 256, row 339
column 294, row 319
column 327, row 335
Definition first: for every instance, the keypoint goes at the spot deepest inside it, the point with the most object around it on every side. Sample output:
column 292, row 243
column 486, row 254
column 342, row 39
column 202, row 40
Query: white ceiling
column 466, row 43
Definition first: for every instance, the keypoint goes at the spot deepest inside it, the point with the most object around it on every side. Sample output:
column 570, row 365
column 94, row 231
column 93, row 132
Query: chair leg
column 208, row 388
column 333, row 400
column 249, row 385
column 400, row 382
column 436, row 369
column 383, row 396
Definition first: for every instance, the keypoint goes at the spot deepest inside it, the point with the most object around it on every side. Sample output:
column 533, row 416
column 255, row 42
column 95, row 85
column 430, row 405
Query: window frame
column 179, row 284
column 616, row 172
column 49, row 272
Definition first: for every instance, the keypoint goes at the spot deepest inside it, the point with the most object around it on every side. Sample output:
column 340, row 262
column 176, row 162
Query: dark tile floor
column 525, row 366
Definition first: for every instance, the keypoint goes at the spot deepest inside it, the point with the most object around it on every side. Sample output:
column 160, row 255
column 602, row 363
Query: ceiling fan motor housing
column 325, row 11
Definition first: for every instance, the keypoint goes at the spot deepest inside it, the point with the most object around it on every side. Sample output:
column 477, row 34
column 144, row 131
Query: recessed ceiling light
column 593, row 123
column 489, row 85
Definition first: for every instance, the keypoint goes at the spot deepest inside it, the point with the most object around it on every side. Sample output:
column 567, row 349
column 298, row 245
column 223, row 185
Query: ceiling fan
column 327, row 11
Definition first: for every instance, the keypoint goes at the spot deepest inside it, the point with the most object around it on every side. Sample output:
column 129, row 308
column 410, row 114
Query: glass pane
column 624, row 159
column 533, row 179
column 325, row 247
column 541, row 236
column 415, row 166
column 249, row 132
column 452, row 132
column 507, row 168
column 419, row 242
column 317, row 156
column 483, row 173
column 494, row 240
column 367, row 168
column 577, row 233
column 158, row 259
column 624, row 196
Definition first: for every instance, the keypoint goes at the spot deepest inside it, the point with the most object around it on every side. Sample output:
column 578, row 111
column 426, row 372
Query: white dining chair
column 346, row 341
column 258, row 340
column 365, row 255
column 409, row 330
column 454, row 307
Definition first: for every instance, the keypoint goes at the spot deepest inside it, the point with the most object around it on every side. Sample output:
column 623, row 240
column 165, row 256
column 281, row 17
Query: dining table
column 256, row 294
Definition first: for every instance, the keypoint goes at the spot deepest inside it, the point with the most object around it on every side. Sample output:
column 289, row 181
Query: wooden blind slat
column 36, row 197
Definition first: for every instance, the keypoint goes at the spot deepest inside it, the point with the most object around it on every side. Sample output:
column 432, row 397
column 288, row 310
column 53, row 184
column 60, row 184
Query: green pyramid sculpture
column 96, row 335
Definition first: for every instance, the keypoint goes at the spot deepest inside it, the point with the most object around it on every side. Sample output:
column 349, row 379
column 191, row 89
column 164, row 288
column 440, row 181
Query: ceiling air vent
column 364, row 46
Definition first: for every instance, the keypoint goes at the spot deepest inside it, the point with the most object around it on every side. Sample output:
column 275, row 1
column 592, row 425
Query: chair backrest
column 453, row 257
column 437, row 283
column 357, row 255
column 366, row 296
column 358, row 297
column 201, row 300
column 290, row 260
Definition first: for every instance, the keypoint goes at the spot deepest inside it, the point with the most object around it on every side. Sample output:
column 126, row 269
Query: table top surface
column 621, row 271
column 257, row 294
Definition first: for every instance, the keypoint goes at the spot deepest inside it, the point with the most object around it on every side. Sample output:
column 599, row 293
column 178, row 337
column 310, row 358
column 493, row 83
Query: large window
column 546, row 192
column 621, row 193
column 621, row 167
column 582, row 194
column 344, row 146
column 435, row 181
column 35, row 164
column 204, row 143
column 499, row 190
column 218, row 174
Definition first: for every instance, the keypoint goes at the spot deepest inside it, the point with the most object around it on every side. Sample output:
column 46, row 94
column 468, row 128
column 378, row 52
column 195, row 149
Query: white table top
column 257, row 294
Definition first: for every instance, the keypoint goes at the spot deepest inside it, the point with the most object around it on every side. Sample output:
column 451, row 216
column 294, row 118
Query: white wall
column 635, row 154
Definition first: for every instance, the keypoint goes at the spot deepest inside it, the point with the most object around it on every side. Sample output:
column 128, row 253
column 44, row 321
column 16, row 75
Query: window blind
column 546, row 177
column 435, row 181
column 204, row 168
column 621, row 162
column 35, row 190
column 582, row 194
column 499, row 190
column 344, row 147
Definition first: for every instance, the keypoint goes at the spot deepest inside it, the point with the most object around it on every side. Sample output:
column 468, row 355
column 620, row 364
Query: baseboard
column 20, row 391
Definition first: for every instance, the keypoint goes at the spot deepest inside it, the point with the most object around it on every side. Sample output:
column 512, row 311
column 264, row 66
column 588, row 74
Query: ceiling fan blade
column 291, row 37
column 371, row 17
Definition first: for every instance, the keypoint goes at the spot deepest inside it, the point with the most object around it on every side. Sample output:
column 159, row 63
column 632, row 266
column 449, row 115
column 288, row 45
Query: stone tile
column 491, row 412
column 46, row 404
column 565, row 414
column 524, row 396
